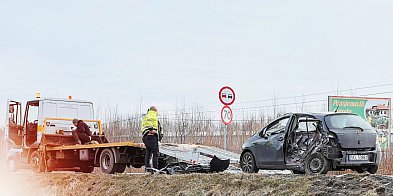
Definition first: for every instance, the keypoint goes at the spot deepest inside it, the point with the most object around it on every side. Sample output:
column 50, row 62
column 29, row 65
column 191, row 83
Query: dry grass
column 208, row 184
column 192, row 184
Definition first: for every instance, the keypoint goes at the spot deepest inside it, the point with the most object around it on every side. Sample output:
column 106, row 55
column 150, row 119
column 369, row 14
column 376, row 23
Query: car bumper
column 374, row 158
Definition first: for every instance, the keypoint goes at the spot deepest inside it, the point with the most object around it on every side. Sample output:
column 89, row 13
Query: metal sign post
column 227, row 97
column 226, row 117
column 225, row 136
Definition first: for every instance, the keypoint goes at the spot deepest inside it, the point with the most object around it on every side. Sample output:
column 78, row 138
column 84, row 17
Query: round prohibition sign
column 226, row 115
column 227, row 95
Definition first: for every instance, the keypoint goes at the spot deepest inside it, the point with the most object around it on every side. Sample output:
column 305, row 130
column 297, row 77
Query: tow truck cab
column 48, row 115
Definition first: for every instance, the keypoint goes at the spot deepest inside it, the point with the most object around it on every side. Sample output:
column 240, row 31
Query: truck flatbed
column 92, row 146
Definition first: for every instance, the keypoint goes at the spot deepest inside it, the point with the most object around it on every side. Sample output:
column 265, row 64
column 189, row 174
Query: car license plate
column 358, row 157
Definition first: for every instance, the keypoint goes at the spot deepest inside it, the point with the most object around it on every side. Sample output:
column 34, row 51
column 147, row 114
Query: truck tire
column 85, row 168
column 107, row 162
column 36, row 164
column 316, row 164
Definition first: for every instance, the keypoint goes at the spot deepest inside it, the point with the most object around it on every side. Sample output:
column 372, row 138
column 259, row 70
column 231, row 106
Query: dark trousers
column 151, row 143
column 78, row 136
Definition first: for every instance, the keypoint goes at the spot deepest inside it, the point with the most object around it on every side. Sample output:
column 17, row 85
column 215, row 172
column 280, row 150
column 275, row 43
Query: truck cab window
column 32, row 114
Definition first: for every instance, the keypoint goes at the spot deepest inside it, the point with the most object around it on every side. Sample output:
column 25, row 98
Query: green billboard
column 376, row 111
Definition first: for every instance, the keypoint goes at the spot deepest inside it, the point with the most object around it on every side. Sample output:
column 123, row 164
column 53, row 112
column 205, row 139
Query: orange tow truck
column 42, row 139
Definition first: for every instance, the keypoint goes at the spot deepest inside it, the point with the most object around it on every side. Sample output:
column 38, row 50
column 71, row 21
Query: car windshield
column 342, row 121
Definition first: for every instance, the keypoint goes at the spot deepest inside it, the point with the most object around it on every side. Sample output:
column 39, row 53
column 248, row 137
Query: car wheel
column 107, row 162
column 12, row 165
column 316, row 164
column 247, row 163
column 372, row 169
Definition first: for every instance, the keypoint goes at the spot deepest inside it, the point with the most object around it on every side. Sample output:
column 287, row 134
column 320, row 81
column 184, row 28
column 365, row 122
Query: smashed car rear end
column 354, row 143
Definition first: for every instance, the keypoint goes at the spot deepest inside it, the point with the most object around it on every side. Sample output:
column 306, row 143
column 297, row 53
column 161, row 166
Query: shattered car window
column 277, row 127
column 343, row 121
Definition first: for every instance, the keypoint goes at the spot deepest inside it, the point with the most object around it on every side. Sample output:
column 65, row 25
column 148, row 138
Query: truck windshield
column 343, row 121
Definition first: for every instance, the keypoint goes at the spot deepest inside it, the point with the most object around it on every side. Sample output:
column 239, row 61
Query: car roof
column 318, row 115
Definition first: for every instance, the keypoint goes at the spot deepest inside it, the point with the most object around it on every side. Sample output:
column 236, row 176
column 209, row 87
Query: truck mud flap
column 218, row 165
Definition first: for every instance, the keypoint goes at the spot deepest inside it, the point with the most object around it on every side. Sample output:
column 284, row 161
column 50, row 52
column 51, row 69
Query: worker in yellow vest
column 150, row 127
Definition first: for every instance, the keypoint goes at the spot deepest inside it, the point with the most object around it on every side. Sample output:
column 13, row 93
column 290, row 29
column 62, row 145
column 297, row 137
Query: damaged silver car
column 313, row 144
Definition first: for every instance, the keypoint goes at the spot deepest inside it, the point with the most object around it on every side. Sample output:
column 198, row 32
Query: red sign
column 227, row 95
column 226, row 115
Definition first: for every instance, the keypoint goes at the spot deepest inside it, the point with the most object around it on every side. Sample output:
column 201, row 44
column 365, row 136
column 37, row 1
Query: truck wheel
column 121, row 168
column 107, row 162
column 36, row 164
column 12, row 166
column 316, row 164
column 247, row 163
column 85, row 168
column 372, row 169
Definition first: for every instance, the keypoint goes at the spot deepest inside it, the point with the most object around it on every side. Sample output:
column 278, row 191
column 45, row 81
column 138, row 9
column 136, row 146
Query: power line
column 298, row 96
column 276, row 105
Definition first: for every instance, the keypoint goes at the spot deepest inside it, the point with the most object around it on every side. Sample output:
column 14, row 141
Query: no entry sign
column 226, row 115
column 227, row 95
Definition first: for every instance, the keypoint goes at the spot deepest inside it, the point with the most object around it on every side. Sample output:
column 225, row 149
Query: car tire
column 36, row 164
column 316, row 164
column 107, row 162
column 372, row 169
column 247, row 163
column 12, row 165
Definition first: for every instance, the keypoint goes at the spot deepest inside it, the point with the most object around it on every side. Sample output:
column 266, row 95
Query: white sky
column 168, row 53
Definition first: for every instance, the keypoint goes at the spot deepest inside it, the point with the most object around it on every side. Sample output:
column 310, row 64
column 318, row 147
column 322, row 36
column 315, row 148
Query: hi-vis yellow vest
column 150, row 121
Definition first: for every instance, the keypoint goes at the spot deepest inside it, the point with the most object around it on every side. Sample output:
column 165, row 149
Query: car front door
column 269, row 146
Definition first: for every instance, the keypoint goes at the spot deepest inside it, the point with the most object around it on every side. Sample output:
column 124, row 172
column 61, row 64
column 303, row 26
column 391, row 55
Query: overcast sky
column 168, row 53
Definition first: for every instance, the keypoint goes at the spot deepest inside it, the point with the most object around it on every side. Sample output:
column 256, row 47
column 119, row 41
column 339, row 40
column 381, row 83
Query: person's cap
column 75, row 120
